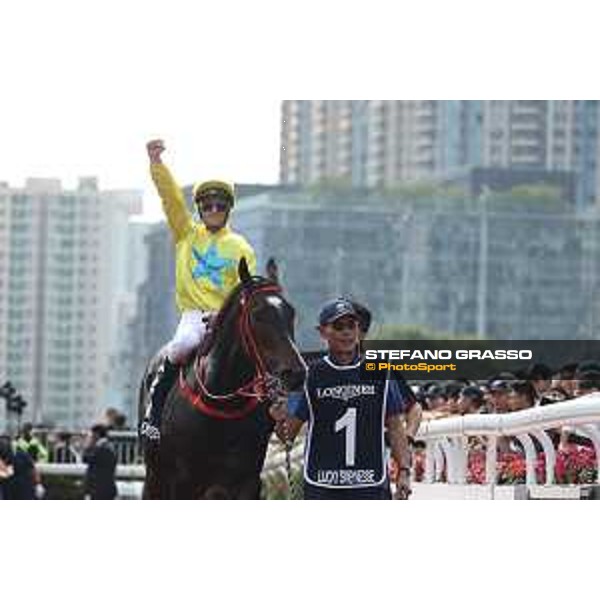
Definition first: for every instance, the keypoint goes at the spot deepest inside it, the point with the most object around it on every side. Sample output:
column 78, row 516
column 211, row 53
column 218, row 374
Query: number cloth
column 346, row 420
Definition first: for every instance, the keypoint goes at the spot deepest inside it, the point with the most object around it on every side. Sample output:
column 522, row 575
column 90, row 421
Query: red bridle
column 262, row 386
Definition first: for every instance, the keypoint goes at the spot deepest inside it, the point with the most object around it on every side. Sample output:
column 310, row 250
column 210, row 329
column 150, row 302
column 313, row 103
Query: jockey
column 207, row 257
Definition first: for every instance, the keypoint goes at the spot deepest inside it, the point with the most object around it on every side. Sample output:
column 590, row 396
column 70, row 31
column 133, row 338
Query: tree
column 415, row 332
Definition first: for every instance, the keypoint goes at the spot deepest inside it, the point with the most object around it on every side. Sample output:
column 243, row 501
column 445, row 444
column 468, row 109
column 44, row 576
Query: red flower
column 574, row 464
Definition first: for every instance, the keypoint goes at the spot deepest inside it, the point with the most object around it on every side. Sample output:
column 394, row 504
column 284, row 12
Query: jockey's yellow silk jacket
column 206, row 263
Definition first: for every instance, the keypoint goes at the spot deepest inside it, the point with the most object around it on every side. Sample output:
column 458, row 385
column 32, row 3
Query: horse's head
column 267, row 327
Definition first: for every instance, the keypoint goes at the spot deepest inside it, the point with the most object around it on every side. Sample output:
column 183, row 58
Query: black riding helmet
column 214, row 190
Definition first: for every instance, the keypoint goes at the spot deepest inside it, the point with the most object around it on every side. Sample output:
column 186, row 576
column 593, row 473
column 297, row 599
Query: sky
column 86, row 84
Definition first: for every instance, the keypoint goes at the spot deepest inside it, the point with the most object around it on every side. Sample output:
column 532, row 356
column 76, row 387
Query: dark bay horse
column 215, row 426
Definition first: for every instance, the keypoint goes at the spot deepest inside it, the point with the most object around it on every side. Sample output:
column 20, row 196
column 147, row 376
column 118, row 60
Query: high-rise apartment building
column 552, row 135
column 378, row 143
column 63, row 269
column 156, row 314
column 124, row 371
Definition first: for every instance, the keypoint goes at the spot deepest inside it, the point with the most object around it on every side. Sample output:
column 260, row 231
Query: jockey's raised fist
column 155, row 149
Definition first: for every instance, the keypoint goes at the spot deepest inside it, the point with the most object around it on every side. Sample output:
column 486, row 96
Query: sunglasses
column 213, row 206
column 342, row 325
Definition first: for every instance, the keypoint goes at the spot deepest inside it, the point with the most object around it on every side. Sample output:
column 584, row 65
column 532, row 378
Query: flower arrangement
column 574, row 465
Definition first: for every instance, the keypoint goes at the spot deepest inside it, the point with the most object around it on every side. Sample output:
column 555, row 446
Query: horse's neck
column 227, row 366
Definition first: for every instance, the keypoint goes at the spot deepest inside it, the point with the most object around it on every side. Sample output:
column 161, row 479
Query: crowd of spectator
column 508, row 392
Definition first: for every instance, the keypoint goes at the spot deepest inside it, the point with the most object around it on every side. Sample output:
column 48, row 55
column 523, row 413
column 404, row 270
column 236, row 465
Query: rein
column 263, row 386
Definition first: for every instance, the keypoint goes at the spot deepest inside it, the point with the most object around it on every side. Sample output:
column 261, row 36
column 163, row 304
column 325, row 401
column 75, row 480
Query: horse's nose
column 293, row 379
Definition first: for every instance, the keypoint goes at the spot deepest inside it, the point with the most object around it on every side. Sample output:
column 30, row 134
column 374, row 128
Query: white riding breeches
column 190, row 332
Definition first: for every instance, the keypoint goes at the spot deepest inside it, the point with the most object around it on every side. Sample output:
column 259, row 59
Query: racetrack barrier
column 446, row 439
column 446, row 453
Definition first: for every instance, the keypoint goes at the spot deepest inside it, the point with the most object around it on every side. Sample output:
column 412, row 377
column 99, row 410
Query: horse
column 215, row 425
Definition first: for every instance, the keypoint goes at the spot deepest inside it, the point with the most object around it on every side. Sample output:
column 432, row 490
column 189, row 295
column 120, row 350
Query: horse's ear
column 243, row 271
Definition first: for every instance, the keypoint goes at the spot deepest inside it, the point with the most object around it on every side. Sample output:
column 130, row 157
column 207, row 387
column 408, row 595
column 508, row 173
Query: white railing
column 77, row 470
column 129, row 478
column 446, row 439
column 446, row 444
column 127, row 447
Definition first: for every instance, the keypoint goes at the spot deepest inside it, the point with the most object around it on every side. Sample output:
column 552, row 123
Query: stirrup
column 149, row 431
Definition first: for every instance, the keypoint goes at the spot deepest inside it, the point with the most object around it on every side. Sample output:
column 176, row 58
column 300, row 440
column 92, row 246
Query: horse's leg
column 249, row 489
column 213, row 492
column 160, row 473
column 223, row 485
column 181, row 482
column 152, row 482
column 150, row 491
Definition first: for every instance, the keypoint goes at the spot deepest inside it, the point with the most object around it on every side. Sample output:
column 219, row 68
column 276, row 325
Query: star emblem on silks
column 210, row 265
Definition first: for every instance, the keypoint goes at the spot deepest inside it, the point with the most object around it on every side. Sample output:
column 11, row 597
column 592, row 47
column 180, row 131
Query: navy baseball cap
column 500, row 385
column 472, row 391
column 336, row 309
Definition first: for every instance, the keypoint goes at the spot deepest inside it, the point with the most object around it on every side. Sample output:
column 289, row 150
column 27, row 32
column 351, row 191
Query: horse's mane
column 255, row 282
column 232, row 300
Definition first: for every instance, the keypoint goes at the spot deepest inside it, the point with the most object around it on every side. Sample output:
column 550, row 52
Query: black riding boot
column 165, row 377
